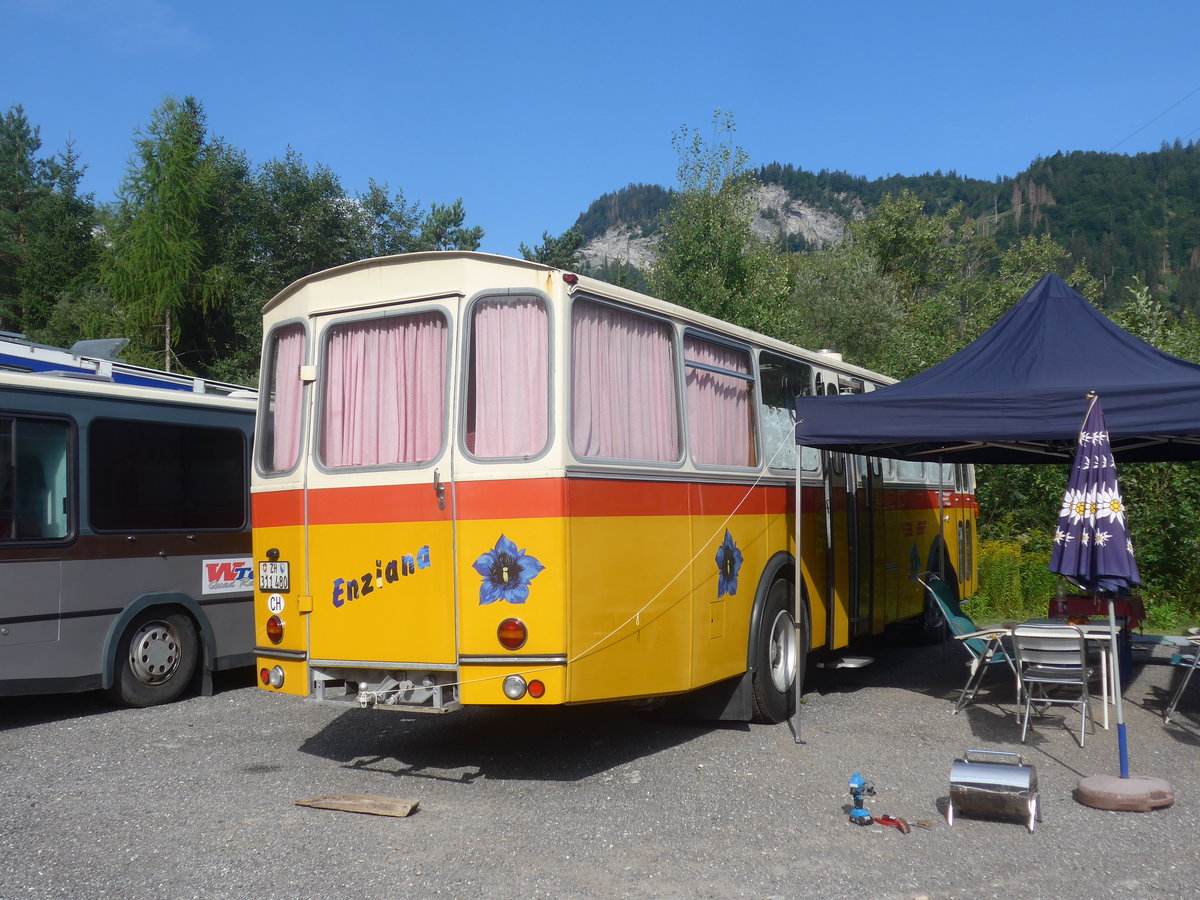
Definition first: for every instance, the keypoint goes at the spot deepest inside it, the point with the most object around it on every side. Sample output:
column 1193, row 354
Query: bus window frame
column 264, row 380
column 73, row 482
column 467, row 329
column 790, row 467
column 175, row 529
column 754, row 402
column 676, row 367
column 408, row 308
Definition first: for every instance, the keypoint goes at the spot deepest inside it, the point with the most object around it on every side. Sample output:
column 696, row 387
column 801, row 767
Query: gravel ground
column 196, row 799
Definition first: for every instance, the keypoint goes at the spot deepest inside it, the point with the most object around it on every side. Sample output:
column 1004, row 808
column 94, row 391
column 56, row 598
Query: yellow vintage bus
column 481, row 480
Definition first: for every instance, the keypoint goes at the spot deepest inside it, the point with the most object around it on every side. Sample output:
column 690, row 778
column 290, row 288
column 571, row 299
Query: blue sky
column 530, row 111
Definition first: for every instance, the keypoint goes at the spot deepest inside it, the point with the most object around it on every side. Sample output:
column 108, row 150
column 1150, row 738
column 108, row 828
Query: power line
column 1155, row 119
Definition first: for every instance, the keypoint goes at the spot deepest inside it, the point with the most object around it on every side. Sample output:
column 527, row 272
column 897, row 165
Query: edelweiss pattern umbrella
column 1091, row 543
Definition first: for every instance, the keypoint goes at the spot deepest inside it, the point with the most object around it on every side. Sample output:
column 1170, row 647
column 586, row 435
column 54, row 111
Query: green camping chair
column 986, row 645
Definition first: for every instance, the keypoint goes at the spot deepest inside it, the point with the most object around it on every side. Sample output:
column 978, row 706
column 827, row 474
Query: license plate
column 273, row 576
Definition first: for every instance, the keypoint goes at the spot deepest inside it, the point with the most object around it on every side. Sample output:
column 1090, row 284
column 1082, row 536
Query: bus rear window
column 155, row 476
column 508, row 386
column 279, row 435
column 384, row 391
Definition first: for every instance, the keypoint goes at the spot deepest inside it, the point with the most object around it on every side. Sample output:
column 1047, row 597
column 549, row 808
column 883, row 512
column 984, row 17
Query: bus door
column 33, row 511
column 509, row 511
column 962, row 520
column 841, row 528
column 380, row 536
column 860, row 540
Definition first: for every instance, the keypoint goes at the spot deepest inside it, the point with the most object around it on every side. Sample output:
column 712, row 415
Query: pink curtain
column 720, row 425
column 385, row 395
column 287, row 397
column 510, row 400
column 623, row 385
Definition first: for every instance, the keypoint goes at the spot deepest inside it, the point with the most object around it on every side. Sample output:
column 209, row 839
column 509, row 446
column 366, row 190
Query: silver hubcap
column 782, row 652
column 154, row 653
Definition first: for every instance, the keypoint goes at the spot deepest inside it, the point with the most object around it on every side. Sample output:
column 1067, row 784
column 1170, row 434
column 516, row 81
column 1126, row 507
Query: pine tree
column 158, row 269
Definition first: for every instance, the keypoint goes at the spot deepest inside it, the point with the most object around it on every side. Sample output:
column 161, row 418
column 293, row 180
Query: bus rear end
column 395, row 539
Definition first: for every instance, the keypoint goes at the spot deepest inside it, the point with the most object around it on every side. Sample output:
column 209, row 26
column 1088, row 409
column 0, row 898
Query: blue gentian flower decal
column 506, row 573
column 729, row 563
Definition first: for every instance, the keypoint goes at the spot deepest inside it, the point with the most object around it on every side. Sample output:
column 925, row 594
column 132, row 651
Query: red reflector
column 512, row 634
column 275, row 629
column 536, row 689
column 265, row 676
column 570, row 278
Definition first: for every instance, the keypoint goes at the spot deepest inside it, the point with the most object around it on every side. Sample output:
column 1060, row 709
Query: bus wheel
column 155, row 659
column 933, row 623
column 776, row 656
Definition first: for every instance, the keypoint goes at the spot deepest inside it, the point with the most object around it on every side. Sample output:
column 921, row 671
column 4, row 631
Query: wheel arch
column 781, row 565
column 168, row 601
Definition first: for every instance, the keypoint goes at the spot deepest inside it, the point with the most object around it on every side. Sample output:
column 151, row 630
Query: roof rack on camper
column 99, row 359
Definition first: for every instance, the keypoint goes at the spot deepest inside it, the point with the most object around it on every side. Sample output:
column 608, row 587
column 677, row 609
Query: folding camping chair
column 1052, row 656
column 985, row 645
column 1188, row 662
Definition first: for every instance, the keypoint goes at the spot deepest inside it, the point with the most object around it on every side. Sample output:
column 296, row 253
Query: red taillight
column 536, row 689
column 275, row 629
column 512, row 634
column 265, row 676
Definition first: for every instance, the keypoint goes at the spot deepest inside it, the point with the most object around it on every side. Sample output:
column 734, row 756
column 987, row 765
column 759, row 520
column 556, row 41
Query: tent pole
column 798, row 598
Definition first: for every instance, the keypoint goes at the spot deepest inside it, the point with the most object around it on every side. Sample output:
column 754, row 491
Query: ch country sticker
column 227, row 576
column 376, row 579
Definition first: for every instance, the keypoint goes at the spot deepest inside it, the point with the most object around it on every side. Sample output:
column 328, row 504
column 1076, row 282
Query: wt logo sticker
column 227, row 576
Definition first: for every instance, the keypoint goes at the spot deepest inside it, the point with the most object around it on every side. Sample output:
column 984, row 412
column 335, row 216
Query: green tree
column 62, row 255
column 914, row 250
column 561, row 252
column 442, row 229
column 842, row 302
column 46, row 243
column 158, row 268
column 708, row 256
column 393, row 220
column 21, row 181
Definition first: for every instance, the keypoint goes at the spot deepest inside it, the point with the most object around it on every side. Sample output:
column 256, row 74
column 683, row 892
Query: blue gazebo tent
column 1017, row 394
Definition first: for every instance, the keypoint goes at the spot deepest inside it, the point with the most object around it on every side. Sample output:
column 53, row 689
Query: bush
column 1015, row 583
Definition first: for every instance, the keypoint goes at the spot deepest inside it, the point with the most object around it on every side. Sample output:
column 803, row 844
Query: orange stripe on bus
column 377, row 504
column 277, row 508
column 520, row 498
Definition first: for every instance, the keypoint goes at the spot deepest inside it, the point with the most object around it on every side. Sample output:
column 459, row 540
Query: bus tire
column 156, row 658
column 776, row 656
column 933, row 623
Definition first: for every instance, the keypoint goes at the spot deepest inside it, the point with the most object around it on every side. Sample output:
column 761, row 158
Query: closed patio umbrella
column 1092, row 549
column 1091, row 543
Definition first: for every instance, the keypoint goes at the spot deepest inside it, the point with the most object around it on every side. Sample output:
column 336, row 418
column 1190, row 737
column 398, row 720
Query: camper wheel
column 156, row 657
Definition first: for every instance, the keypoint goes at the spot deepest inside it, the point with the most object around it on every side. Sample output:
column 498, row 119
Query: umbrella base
column 1137, row 793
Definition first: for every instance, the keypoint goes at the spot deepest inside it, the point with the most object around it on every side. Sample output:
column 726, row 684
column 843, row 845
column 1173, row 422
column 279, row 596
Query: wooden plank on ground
column 364, row 803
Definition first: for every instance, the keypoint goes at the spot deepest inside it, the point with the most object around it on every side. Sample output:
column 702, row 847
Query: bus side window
column 781, row 381
column 508, row 378
column 33, row 480
column 720, row 396
column 161, row 476
column 624, row 400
